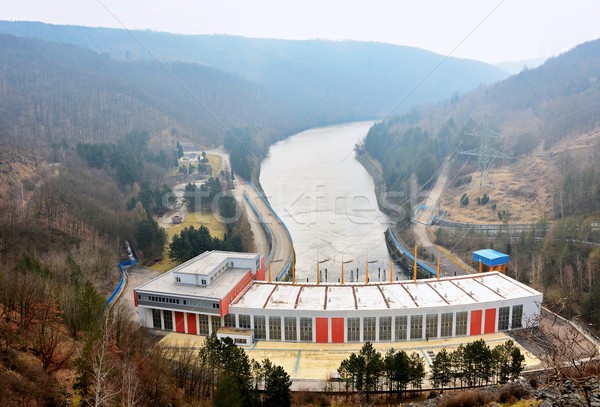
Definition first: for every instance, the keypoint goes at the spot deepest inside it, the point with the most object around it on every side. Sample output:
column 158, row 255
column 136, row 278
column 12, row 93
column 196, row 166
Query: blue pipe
column 409, row 255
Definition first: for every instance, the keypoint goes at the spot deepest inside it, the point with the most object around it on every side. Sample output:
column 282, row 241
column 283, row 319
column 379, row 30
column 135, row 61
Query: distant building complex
column 226, row 293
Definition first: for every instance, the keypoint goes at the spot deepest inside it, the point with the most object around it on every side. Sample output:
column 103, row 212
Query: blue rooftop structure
column 490, row 257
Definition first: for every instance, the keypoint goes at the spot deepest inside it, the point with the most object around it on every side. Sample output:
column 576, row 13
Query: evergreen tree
column 150, row 238
column 277, row 387
column 441, row 369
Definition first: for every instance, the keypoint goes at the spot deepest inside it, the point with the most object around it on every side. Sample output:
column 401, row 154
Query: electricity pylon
column 486, row 153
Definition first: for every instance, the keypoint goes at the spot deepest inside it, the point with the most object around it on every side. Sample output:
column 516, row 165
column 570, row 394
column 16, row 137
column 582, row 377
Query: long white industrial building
column 226, row 291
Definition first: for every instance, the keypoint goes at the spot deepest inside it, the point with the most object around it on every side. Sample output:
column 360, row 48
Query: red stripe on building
column 179, row 322
column 135, row 300
column 337, row 330
column 260, row 273
column 475, row 323
column 322, row 330
column 228, row 299
column 490, row 321
column 191, row 322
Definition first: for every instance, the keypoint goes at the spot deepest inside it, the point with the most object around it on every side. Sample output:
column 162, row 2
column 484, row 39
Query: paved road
column 450, row 265
column 282, row 242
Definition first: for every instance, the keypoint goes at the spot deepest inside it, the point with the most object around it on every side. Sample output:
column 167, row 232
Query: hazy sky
column 513, row 30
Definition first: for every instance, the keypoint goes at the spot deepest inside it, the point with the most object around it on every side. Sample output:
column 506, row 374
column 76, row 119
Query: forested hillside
column 52, row 93
column 536, row 107
column 548, row 120
column 323, row 81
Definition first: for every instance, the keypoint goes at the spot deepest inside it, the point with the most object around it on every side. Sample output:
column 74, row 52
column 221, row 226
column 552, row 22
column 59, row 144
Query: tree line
column 396, row 372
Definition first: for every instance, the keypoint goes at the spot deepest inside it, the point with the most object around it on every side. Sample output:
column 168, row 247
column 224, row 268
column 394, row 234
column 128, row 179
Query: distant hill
column 547, row 118
column 51, row 92
column 322, row 81
column 515, row 67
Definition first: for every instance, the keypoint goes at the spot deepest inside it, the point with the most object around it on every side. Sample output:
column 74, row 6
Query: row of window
column 177, row 301
column 164, row 300
column 369, row 327
column 167, row 319
column 404, row 327
column 504, row 315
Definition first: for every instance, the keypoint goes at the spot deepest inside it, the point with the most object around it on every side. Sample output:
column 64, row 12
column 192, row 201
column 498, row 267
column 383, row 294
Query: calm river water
column 327, row 200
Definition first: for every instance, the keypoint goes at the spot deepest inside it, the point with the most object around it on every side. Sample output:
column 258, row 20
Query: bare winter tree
column 130, row 386
column 566, row 352
column 104, row 392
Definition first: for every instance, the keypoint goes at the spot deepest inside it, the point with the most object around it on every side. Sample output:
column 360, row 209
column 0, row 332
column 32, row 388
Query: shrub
column 464, row 200
column 470, row 398
column 513, row 392
column 462, row 181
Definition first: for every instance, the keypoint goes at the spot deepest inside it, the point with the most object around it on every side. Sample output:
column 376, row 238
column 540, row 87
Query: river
column 327, row 200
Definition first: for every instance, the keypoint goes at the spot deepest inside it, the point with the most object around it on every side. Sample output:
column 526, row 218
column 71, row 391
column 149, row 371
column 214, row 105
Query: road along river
column 327, row 200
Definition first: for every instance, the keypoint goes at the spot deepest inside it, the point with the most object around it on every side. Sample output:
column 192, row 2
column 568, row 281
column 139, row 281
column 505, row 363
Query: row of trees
column 222, row 371
column 369, row 371
column 561, row 258
column 191, row 242
column 202, row 198
column 476, row 363
column 472, row 364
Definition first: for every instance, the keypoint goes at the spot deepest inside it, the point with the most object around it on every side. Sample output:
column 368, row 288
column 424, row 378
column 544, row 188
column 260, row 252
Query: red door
column 490, row 321
column 179, row 322
column 337, row 330
column 322, row 330
column 191, row 320
column 475, row 322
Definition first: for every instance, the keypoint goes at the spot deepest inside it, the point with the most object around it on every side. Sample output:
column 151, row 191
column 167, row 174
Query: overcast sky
column 493, row 31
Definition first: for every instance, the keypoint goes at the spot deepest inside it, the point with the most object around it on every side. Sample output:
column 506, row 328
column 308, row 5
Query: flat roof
column 207, row 262
column 448, row 291
column 219, row 287
column 490, row 257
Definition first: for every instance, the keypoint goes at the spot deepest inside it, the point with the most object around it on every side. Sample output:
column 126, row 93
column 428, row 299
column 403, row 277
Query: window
column 244, row 321
column 401, row 328
column 447, row 319
column 503, row 313
column 260, row 327
column 290, row 329
column 416, row 327
column 385, row 328
column 461, row 323
column 168, row 317
column 203, row 324
column 274, row 328
column 230, row 320
column 306, row 329
column 517, row 317
column 178, row 279
column 156, row 321
column 215, row 323
column 242, row 341
column 203, row 282
column 369, row 329
column 431, row 330
column 353, row 329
